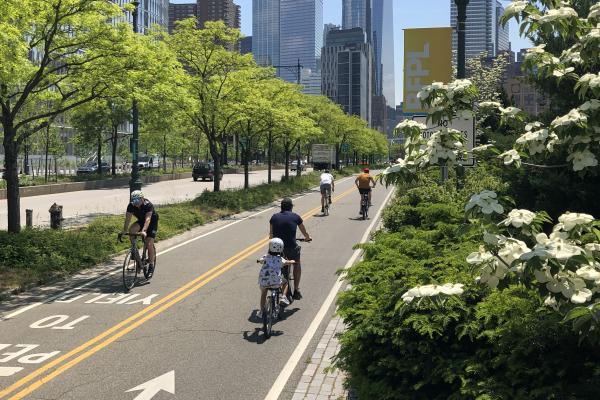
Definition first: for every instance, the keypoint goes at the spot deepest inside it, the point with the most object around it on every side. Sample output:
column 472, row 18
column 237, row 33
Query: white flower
column 489, row 104
column 589, row 273
column 511, row 156
column 581, row 296
column 592, row 80
column 543, row 275
column 437, row 85
column 573, row 117
column 594, row 11
column 458, row 86
column 479, row 257
column 582, row 159
column 551, row 302
column 560, row 72
column 482, row 147
column 518, row 218
column 571, row 220
column 432, row 290
column 486, row 200
column 591, row 248
column 510, row 111
column 409, row 123
column 515, row 8
column 592, row 104
column 539, row 49
column 559, row 13
column 534, row 140
column 513, row 250
column 562, row 250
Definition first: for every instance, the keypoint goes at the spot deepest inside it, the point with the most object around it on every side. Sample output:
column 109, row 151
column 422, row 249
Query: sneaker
column 283, row 300
column 297, row 295
column 330, row 200
column 150, row 269
column 322, row 209
column 259, row 314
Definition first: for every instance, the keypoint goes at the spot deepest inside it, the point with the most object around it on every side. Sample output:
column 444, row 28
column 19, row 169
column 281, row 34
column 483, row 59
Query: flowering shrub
column 561, row 264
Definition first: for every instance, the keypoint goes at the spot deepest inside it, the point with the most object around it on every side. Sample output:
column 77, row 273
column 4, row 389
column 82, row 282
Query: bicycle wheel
column 326, row 209
column 268, row 316
column 129, row 271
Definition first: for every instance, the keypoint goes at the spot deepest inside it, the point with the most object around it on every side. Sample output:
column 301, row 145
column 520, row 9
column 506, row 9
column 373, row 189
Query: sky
column 407, row 14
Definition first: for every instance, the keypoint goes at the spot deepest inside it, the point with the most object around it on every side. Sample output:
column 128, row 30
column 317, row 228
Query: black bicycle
column 364, row 205
column 288, row 274
column 134, row 262
column 327, row 202
column 273, row 310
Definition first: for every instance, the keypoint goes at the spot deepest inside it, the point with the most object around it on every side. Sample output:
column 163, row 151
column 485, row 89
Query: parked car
column 204, row 170
column 92, row 168
column 149, row 162
column 294, row 165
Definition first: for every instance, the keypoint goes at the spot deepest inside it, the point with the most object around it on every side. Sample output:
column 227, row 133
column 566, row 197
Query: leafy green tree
column 55, row 56
column 210, row 82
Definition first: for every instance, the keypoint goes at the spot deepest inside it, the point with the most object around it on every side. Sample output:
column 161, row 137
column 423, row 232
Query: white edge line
column 117, row 269
column 289, row 367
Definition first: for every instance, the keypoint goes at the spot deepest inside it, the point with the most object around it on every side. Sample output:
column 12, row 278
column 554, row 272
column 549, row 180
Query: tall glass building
column 483, row 35
column 265, row 31
column 383, row 49
column 301, row 36
column 150, row 12
column 357, row 14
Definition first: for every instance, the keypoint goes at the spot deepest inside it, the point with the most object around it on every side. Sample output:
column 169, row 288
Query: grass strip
column 38, row 256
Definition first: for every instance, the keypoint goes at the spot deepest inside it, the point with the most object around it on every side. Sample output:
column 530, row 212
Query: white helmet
column 137, row 195
column 276, row 245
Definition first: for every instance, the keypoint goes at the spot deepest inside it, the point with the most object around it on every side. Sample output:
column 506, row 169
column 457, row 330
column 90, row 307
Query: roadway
column 193, row 329
column 82, row 206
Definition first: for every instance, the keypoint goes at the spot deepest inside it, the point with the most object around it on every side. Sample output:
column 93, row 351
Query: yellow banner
column 427, row 59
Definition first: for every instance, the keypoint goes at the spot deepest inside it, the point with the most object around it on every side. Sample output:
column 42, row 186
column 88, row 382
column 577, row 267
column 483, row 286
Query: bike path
column 207, row 332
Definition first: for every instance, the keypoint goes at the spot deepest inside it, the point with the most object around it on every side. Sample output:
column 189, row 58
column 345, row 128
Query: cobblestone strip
column 316, row 383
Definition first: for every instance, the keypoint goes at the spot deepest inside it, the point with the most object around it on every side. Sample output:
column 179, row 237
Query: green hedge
column 484, row 344
column 35, row 256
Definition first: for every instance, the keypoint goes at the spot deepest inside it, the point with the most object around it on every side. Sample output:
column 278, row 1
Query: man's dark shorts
column 364, row 191
column 326, row 188
column 152, row 228
column 291, row 253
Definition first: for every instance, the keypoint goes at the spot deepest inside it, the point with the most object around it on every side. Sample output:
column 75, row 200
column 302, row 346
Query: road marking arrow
column 149, row 389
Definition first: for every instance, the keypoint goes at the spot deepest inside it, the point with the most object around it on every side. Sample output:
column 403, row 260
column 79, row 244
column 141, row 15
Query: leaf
column 577, row 312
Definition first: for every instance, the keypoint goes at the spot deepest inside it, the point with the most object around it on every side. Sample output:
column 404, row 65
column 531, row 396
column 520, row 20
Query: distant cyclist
column 363, row 182
column 283, row 225
column 146, row 223
column 327, row 186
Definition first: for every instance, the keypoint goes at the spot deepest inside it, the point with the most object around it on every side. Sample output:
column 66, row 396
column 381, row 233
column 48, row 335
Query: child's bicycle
column 272, row 309
column 134, row 263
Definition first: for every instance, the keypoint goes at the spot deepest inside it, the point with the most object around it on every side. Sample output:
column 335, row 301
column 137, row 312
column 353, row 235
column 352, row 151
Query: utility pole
column 135, row 183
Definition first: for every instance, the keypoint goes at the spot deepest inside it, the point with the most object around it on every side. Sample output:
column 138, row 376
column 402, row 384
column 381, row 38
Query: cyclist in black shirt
column 146, row 222
column 283, row 225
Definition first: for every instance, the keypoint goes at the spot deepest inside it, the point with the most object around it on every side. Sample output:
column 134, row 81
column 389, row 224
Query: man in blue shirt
column 283, row 225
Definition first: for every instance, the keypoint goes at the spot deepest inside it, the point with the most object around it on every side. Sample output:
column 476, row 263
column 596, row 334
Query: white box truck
column 323, row 156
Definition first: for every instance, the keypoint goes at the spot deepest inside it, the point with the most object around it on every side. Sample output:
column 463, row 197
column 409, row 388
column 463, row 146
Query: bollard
column 56, row 216
column 28, row 218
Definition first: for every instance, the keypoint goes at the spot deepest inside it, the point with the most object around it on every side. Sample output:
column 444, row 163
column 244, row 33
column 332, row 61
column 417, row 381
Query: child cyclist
column 270, row 273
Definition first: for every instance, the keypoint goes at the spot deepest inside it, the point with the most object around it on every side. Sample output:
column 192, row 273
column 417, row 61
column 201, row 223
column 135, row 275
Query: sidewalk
column 316, row 383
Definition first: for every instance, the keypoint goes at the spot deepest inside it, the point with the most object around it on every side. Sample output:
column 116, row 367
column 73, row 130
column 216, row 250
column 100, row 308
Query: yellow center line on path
column 122, row 328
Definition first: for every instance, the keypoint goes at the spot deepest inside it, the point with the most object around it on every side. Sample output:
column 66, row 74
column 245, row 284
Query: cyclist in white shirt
column 327, row 186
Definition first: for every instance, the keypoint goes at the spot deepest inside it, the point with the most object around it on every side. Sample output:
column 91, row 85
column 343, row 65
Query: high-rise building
column 383, row 50
column 301, row 35
column 346, row 71
column 219, row 10
column 265, row 31
column 246, row 45
column 150, row 12
column 178, row 12
column 357, row 14
column 484, row 34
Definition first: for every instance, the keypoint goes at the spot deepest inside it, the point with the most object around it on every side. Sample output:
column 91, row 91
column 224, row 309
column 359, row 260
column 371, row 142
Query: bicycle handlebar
column 304, row 240
column 121, row 234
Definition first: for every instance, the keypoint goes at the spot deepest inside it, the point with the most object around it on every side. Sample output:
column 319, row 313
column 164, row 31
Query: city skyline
column 409, row 15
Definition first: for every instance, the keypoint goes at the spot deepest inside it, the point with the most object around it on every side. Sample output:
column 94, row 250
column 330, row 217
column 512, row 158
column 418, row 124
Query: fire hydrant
column 56, row 216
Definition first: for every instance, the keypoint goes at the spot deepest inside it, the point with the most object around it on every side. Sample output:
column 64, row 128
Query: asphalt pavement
column 82, row 206
column 191, row 332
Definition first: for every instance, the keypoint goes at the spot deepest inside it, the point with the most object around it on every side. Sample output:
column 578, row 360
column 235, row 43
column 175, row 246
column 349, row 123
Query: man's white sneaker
column 283, row 300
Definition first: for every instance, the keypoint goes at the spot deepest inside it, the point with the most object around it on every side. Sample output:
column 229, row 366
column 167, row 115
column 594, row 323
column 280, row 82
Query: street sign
column 345, row 147
column 464, row 125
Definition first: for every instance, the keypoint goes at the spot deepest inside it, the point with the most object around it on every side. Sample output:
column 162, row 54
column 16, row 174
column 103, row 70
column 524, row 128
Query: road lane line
column 118, row 269
column 289, row 367
column 146, row 313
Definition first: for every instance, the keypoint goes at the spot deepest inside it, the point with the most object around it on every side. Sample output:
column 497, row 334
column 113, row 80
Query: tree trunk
column 246, row 156
column 99, row 155
column 165, row 153
column 298, row 163
column 11, row 174
column 216, row 155
column 237, row 149
column 270, row 158
column 287, row 151
column 114, row 142
column 46, row 151
column 224, row 159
